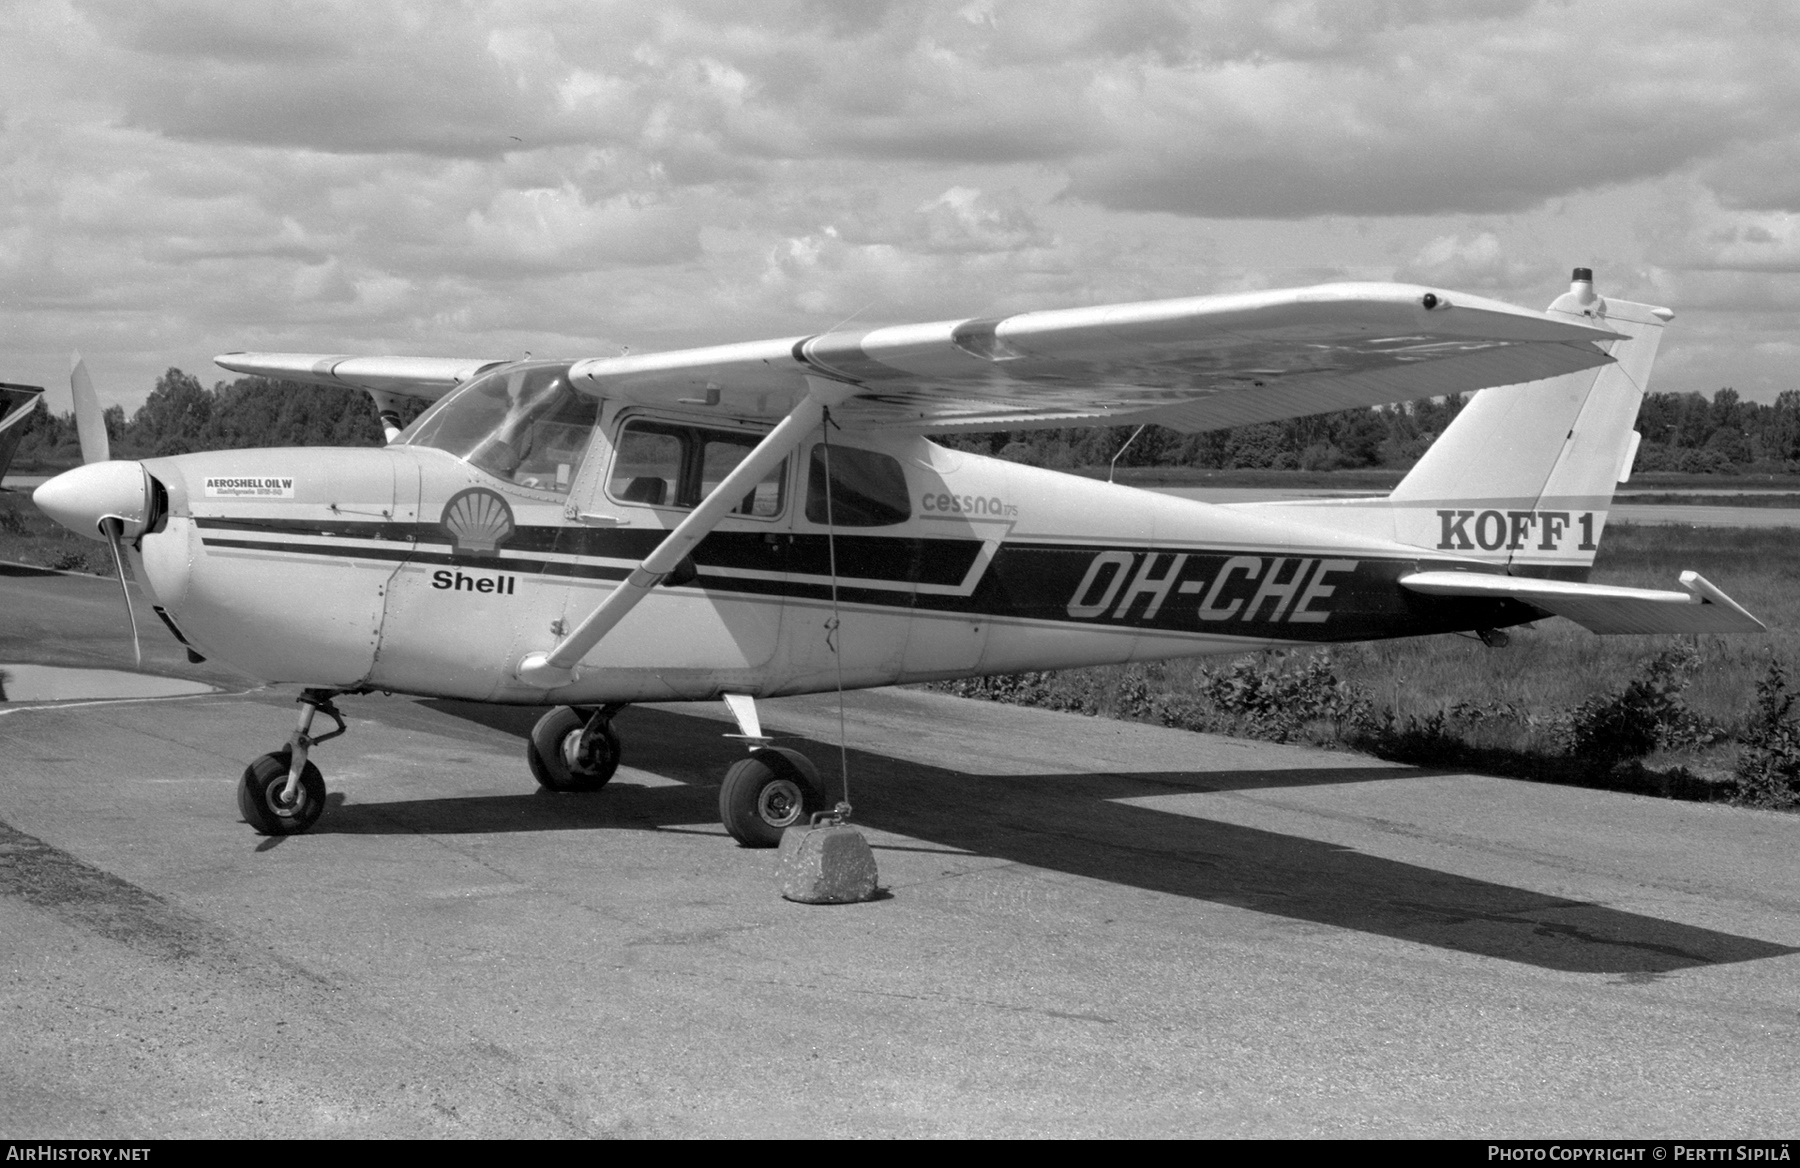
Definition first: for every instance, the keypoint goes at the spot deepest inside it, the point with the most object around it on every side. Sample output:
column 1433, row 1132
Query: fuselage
column 414, row 569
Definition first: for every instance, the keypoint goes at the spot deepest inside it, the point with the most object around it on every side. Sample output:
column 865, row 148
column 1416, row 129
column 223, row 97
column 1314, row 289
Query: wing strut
column 557, row 667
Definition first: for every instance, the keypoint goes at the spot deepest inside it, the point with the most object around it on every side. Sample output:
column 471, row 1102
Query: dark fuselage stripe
column 1218, row 591
column 901, row 560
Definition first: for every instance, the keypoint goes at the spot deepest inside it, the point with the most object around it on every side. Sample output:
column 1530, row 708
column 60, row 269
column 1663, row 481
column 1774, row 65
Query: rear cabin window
column 666, row 464
column 867, row 489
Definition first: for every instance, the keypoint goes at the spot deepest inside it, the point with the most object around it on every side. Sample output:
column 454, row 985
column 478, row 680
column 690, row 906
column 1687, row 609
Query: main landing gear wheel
column 260, row 795
column 764, row 795
column 572, row 751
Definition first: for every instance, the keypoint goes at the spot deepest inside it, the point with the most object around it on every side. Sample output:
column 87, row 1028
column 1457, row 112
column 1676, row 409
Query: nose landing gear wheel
column 570, row 751
column 260, row 796
column 764, row 795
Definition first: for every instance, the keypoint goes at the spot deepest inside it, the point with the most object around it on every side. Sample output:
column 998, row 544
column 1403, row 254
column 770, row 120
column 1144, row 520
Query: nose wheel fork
column 283, row 793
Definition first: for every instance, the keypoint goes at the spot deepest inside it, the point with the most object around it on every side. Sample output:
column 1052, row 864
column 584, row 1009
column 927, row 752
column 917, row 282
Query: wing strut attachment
column 557, row 667
column 387, row 408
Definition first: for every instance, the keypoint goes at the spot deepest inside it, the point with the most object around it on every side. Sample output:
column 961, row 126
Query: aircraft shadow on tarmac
column 1072, row 823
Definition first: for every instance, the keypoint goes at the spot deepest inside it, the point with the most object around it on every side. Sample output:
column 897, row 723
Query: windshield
column 522, row 423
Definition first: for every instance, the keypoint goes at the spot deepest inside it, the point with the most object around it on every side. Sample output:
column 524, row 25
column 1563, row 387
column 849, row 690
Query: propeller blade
column 90, row 423
column 115, row 531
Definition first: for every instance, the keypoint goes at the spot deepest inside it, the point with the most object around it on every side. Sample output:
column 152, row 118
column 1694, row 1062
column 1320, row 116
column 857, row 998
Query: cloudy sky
column 189, row 177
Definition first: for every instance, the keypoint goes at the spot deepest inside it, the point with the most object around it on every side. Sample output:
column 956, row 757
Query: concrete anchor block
column 828, row 864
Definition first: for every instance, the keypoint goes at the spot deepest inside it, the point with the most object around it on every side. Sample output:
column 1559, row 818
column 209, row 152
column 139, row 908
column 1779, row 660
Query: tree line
column 1682, row 432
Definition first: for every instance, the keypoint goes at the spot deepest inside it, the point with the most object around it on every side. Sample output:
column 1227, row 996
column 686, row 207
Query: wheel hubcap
column 779, row 804
column 280, row 806
column 571, row 752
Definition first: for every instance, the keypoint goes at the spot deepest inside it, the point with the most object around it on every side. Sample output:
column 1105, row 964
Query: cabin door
column 727, row 617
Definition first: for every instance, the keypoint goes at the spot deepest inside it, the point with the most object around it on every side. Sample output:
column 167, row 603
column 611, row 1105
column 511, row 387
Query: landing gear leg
column 574, row 749
column 282, row 793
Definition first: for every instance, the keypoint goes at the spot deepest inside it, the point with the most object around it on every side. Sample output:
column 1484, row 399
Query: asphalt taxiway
column 1088, row 928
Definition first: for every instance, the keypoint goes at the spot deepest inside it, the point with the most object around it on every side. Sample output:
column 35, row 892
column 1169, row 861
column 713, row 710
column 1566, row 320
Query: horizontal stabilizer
column 1602, row 608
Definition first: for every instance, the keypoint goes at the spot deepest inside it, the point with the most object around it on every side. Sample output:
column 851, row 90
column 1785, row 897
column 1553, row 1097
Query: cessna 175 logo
column 1245, row 588
column 1546, row 531
column 968, row 505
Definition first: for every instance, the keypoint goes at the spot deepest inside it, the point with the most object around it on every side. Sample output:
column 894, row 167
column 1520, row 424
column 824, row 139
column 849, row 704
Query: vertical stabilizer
column 1525, row 474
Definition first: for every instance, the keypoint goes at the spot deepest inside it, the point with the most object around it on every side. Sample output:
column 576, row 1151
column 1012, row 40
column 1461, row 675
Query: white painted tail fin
column 1525, row 474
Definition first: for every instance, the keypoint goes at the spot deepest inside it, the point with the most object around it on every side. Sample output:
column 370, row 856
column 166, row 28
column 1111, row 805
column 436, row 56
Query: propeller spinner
column 101, row 499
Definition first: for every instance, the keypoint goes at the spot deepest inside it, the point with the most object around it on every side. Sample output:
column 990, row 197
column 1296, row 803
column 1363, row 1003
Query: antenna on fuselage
column 1123, row 449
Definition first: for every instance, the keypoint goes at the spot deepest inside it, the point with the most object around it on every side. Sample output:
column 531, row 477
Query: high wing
column 427, row 378
column 1200, row 363
column 1602, row 608
column 1193, row 364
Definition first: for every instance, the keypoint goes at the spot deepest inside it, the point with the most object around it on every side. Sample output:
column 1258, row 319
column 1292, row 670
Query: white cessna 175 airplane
column 769, row 518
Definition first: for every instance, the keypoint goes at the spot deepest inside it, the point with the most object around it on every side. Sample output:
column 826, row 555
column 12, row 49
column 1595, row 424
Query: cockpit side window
column 522, row 423
column 868, row 489
column 666, row 464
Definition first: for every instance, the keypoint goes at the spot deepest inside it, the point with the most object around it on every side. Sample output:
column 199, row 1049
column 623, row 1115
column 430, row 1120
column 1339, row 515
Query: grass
column 28, row 536
column 1558, row 665
column 1677, row 499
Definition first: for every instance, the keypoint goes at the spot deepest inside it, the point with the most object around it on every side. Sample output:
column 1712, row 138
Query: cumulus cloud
column 959, row 220
column 353, row 78
column 1238, row 110
column 1439, row 115
column 1763, row 175
column 1749, row 242
column 185, row 176
column 1702, row 256
column 559, row 230
column 1477, row 261
column 962, row 219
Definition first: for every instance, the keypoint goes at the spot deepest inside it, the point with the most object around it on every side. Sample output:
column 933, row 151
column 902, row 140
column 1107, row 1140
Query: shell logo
column 478, row 521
